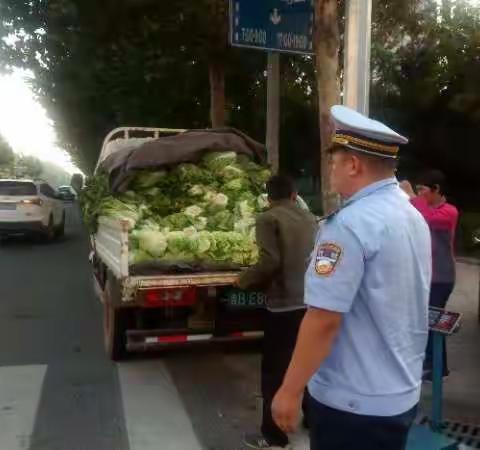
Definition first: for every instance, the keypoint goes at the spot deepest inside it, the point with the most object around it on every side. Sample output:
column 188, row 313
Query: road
column 58, row 390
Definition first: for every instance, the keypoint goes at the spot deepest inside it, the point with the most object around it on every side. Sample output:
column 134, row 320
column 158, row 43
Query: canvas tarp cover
column 171, row 150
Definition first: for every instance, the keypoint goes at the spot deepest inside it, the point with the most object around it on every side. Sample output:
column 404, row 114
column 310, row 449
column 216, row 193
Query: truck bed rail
column 111, row 245
column 186, row 280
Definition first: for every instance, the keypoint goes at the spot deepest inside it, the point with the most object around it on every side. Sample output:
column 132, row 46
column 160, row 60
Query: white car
column 30, row 207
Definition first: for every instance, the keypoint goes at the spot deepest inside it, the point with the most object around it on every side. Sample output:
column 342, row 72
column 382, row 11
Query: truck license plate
column 237, row 298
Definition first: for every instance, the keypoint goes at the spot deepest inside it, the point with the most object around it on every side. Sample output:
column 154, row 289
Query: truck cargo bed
column 111, row 244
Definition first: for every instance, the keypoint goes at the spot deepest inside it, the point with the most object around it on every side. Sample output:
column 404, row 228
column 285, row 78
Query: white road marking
column 20, row 391
column 154, row 414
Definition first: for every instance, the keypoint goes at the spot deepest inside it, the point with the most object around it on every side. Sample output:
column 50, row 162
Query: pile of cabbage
column 194, row 213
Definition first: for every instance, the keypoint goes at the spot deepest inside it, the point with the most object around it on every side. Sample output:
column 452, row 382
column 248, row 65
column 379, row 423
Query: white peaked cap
column 351, row 120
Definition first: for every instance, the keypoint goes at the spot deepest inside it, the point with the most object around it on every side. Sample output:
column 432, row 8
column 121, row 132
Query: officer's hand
column 407, row 187
column 286, row 410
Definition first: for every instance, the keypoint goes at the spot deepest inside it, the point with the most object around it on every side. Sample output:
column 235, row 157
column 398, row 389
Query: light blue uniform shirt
column 372, row 262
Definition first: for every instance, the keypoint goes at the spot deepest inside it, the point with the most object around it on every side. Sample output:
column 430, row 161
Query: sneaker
column 258, row 442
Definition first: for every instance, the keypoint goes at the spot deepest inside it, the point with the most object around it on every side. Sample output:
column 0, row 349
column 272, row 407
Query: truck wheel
column 115, row 324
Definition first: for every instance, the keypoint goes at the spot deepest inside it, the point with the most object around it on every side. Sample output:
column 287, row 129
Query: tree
column 53, row 174
column 28, row 167
column 7, row 159
column 426, row 63
column 6, row 153
column 327, row 48
column 208, row 24
column 150, row 66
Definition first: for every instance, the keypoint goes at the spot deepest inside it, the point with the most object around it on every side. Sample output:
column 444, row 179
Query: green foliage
column 95, row 191
column 18, row 166
column 426, row 63
column 7, row 159
column 104, row 64
column 54, row 174
column 469, row 224
column 28, row 167
column 6, row 153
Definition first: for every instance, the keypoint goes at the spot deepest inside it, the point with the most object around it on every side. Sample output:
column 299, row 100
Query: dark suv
column 66, row 193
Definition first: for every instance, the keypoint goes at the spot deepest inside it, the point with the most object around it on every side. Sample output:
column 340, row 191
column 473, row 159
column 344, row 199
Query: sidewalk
column 462, row 388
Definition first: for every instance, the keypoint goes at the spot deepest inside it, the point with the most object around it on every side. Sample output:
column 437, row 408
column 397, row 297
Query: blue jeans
column 331, row 429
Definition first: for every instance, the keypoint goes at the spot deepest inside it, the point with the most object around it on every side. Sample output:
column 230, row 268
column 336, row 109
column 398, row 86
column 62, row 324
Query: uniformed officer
column 362, row 343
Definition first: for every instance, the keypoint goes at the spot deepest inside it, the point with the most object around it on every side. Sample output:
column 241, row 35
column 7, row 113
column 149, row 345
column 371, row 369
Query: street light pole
column 358, row 41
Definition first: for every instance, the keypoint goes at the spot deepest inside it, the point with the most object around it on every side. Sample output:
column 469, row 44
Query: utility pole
column 273, row 110
column 358, row 41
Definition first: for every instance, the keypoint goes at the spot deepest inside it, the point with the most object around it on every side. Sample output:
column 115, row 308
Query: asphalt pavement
column 58, row 391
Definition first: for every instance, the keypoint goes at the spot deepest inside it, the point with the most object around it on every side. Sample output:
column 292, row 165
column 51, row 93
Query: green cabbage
column 177, row 221
column 216, row 161
column 231, row 172
column 190, row 173
column 197, row 190
column 192, row 213
column 114, row 208
column 221, row 221
column 215, row 201
column 151, row 241
column 245, row 209
column 244, row 225
column 147, row 179
column 138, row 256
column 262, row 202
column 261, row 176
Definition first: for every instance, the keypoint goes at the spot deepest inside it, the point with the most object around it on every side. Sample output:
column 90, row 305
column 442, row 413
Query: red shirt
column 442, row 221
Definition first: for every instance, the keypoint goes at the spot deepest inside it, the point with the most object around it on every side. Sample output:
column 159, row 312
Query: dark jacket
column 285, row 236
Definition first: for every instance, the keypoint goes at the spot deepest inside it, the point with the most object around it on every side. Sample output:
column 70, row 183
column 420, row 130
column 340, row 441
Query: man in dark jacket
column 285, row 236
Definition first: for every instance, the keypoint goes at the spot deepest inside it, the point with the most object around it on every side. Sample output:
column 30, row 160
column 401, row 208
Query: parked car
column 66, row 193
column 28, row 207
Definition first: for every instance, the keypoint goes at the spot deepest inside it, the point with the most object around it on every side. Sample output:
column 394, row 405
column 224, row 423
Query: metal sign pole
column 273, row 110
column 357, row 55
column 437, row 387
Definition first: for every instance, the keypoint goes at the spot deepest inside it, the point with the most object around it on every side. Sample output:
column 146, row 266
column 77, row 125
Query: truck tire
column 115, row 324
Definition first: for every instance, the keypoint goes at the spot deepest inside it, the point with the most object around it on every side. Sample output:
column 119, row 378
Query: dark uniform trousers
column 331, row 429
column 281, row 330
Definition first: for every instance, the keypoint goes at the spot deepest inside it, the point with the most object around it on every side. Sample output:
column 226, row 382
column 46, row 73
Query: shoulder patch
column 328, row 256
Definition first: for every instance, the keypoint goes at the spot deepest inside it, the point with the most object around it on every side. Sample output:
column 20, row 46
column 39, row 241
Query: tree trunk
column 217, row 94
column 327, row 46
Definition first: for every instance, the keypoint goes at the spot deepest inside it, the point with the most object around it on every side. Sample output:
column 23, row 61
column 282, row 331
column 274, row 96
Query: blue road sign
column 275, row 25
